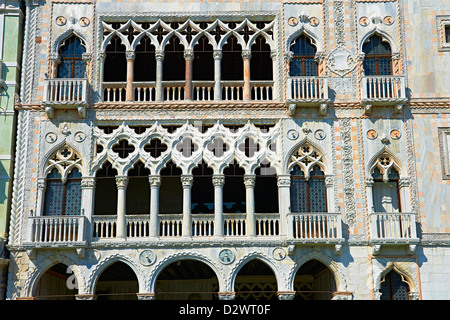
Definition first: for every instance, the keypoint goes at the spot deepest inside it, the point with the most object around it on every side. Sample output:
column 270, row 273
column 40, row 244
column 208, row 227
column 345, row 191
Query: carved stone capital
column 218, row 180
column 88, row 183
column 249, row 180
column 159, row 54
column 284, row 181
column 187, row 180
column 189, row 54
column 246, row 54
column 403, row 182
column 130, row 55
column 155, row 181
column 121, row 182
column 217, row 54
column 286, row 295
column 41, row 184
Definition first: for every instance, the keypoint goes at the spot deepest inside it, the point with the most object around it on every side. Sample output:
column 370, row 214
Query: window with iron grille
column 63, row 198
column 71, row 54
column 378, row 57
column 308, row 195
column 303, row 63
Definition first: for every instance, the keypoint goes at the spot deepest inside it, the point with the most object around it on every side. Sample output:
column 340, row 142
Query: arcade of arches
column 190, row 279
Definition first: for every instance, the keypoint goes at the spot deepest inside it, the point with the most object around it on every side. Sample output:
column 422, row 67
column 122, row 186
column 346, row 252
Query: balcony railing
column 201, row 91
column 65, row 91
column 383, row 89
column 56, row 229
column 393, row 227
column 314, row 227
column 307, row 89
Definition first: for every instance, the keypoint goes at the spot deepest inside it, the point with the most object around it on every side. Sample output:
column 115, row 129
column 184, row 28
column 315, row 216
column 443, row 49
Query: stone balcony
column 393, row 229
column 383, row 91
column 307, row 92
column 65, row 94
column 199, row 91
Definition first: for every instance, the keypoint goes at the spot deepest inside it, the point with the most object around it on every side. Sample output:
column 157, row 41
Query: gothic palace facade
column 232, row 150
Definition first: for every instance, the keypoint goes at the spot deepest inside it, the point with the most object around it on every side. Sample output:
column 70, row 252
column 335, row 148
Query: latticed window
column 71, row 54
column 63, row 198
column 393, row 287
column 378, row 57
column 303, row 63
column 308, row 195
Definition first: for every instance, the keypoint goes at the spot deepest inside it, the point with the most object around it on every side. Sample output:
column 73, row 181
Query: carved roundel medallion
column 395, row 134
column 292, row 134
column 61, row 21
column 314, row 22
column 84, row 22
column 51, row 137
column 79, row 136
column 364, row 21
column 279, row 254
column 388, row 20
column 372, row 134
column 226, row 256
column 147, row 257
column 319, row 134
column 292, row 21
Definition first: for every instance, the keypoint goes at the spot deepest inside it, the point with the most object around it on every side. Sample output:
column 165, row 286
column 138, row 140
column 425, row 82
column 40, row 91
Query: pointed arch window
column 394, row 287
column 71, row 55
column 385, row 190
column 378, row 57
column 303, row 62
column 63, row 198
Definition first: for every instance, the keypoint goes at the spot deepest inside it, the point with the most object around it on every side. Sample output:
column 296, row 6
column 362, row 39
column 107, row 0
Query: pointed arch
column 395, row 163
column 384, row 35
column 319, row 159
column 302, row 30
column 62, row 37
column 404, row 269
column 64, row 157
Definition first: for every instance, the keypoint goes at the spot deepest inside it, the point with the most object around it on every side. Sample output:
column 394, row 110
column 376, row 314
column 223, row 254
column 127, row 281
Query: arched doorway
column 117, row 282
column 314, row 281
column 55, row 284
column 255, row 281
column 187, row 280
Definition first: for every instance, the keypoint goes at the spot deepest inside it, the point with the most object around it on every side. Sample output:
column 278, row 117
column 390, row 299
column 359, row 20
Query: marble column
column 217, row 75
column 159, row 55
column 130, row 55
column 186, row 181
column 155, row 182
column 41, row 186
column 88, row 202
column 249, row 181
column 284, row 203
column 218, row 182
column 122, row 182
column 246, row 56
column 101, row 63
column 189, row 57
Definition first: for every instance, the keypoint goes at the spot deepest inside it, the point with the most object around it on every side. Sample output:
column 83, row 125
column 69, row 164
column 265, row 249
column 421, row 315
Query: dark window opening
column 266, row 189
column 234, row 197
column 232, row 65
column 115, row 67
column 171, row 190
column 202, row 190
column 261, row 61
column 71, row 54
column 308, row 195
column 393, row 287
column 144, row 61
column 314, row 281
column 108, row 129
column 255, row 281
column 447, row 33
column 203, row 64
column 117, row 282
column 303, row 62
column 378, row 57
column 52, row 284
column 138, row 190
column 139, row 129
column 174, row 62
column 106, row 190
